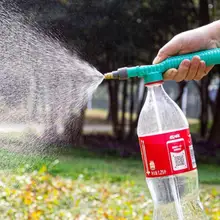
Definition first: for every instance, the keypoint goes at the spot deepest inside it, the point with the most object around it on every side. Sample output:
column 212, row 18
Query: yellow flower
column 43, row 169
column 35, row 215
column 27, row 198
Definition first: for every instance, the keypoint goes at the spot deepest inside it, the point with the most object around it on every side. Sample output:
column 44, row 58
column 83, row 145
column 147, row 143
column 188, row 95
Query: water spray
column 154, row 73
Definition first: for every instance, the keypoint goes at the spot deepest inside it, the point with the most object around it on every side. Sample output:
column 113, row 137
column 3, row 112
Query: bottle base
column 176, row 197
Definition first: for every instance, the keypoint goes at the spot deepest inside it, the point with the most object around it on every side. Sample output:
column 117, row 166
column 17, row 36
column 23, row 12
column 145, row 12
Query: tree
column 113, row 34
column 204, row 19
column 214, row 136
column 139, row 27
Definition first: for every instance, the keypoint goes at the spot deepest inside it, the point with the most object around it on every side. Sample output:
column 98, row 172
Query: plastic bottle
column 168, row 158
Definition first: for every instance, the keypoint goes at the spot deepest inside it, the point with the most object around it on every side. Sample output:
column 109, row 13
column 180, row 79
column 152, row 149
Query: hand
column 186, row 42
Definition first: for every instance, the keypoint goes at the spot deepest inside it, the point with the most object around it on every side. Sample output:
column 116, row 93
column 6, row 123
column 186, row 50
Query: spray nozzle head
column 120, row 74
column 149, row 73
column 108, row 76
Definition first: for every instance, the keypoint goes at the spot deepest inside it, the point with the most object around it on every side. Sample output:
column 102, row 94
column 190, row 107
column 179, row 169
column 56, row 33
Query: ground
column 96, row 122
column 79, row 184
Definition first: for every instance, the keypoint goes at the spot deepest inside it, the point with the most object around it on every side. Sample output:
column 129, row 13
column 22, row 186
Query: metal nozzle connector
column 108, row 76
column 120, row 74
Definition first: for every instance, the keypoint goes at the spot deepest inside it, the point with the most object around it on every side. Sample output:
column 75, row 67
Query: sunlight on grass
column 99, row 116
column 38, row 195
column 78, row 183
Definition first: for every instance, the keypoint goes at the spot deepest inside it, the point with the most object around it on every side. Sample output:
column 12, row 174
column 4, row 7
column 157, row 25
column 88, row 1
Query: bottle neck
column 155, row 92
column 154, row 86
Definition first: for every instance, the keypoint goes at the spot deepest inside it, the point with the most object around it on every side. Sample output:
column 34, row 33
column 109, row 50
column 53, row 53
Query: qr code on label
column 193, row 159
column 179, row 160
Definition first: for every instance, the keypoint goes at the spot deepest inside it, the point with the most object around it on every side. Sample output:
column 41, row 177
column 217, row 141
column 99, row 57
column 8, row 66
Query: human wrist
column 213, row 31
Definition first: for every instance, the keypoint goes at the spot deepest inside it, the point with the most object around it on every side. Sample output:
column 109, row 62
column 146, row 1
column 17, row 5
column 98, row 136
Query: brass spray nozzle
column 108, row 76
column 120, row 74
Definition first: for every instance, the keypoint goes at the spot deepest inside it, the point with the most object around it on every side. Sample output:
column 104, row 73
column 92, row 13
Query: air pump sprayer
column 153, row 73
column 165, row 142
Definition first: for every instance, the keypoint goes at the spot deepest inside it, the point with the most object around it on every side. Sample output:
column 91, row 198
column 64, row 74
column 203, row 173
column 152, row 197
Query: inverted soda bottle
column 168, row 158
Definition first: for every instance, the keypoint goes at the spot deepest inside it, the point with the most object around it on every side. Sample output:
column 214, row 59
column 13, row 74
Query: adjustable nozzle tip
column 108, row 76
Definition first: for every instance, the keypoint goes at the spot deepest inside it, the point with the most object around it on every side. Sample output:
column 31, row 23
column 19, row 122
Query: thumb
column 159, row 58
column 173, row 47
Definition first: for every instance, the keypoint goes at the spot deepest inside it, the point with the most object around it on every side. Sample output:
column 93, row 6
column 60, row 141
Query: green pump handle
column 154, row 73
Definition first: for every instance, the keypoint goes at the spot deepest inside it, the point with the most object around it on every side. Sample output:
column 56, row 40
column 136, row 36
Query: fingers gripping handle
column 211, row 57
column 154, row 73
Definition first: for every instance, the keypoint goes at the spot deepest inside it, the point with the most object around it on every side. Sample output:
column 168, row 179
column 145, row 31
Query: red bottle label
column 167, row 153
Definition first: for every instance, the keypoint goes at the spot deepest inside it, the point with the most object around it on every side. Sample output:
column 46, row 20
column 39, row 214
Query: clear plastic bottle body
column 175, row 197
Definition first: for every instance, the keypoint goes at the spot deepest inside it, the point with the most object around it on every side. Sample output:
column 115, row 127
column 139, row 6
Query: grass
column 115, row 169
column 94, row 167
column 99, row 116
column 96, row 116
column 195, row 125
column 38, row 195
column 98, row 168
column 80, row 184
column 209, row 174
column 97, row 187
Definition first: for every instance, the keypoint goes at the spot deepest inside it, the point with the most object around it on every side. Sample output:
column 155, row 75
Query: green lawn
column 78, row 183
column 93, row 166
column 99, row 116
